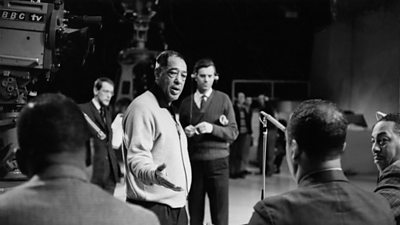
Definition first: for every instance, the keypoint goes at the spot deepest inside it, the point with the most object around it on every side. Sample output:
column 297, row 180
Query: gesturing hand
column 162, row 178
column 204, row 127
column 190, row 130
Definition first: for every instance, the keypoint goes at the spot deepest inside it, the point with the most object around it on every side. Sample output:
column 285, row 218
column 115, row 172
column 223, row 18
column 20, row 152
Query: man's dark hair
column 319, row 129
column 162, row 58
column 203, row 63
column 392, row 117
column 51, row 124
column 98, row 83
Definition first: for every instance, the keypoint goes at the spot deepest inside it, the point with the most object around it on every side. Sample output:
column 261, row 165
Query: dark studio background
column 341, row 47
column 255, row 39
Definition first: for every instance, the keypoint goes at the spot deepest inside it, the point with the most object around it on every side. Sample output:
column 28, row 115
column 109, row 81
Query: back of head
column 319, row 129
column 49, row 125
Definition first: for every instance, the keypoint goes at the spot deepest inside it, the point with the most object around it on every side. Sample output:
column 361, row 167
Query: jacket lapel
column 97, row 118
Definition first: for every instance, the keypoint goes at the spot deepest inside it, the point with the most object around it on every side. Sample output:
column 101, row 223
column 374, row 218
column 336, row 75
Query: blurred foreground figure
column 56, row 155
column 316, row 135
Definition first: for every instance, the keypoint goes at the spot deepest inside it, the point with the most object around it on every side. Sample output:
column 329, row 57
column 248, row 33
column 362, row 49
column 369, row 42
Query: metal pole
column 264, row 154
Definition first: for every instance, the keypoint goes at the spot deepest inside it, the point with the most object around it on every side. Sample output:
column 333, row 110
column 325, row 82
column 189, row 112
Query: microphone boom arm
column 273, row 121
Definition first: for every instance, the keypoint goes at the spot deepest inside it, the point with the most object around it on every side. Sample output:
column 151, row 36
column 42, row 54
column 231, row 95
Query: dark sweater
column 216, row 144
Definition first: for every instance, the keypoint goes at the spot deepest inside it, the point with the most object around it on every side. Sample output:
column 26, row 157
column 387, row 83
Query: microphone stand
column 264, row 153
column 280, row 126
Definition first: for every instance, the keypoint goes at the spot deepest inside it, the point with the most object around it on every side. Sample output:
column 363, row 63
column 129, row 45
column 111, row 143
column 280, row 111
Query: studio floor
column 244, row 193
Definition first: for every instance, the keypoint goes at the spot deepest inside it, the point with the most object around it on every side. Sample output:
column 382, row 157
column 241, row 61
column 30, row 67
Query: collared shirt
column 97, row 105
column 198, row 95
column 336, row 171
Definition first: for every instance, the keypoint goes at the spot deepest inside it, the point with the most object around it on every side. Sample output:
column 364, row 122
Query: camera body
column 36, row 38
column 29, row 36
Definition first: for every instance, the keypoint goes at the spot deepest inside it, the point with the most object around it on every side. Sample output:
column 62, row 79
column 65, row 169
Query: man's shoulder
column 144, row 98
column 143, row 104
column 143, row 101
column 221, row 97
column 276, row 205
column 220, row 94
column 393, row 168
column 390, row 178
column 86, row 106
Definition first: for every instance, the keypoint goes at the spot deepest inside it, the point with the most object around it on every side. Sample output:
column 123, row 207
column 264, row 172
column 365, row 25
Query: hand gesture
column 162, row 178
column 190, row 131
column 204, row 127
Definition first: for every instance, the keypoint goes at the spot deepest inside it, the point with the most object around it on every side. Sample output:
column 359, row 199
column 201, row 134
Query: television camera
column 35, row 39
column 136, row 61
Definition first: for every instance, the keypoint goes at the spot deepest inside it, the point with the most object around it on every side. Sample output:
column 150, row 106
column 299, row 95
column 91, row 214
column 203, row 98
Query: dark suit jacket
column 389, row 187
column 324, row 198
column 105, row 164
column 247, row 118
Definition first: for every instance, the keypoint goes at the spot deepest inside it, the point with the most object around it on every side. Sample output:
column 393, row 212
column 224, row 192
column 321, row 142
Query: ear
column 216, row 77
column 379, row 115
column 294, row 151
column 95, row 91
column 157, row 73
column 193, row 75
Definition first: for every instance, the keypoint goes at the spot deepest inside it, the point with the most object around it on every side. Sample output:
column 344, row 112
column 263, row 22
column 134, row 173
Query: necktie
column 103, row 113
column 203, row 101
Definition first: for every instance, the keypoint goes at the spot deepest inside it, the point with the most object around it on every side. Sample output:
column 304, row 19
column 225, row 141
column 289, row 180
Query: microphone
column 273, row 121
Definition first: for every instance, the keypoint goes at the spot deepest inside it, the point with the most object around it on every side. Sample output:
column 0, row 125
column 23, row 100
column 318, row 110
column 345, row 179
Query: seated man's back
column 56, row 154
column 63, row 195
column 326, row 198
column 315, row 141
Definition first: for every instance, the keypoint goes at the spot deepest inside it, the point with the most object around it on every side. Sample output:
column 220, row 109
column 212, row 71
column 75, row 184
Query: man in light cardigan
column 155, row 145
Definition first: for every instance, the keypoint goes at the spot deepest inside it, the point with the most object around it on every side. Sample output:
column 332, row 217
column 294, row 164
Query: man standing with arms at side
column 386, row 152
column 209, row 122
column 55, row 153
column 155, row 146
column 106, row 170
column 316, row 135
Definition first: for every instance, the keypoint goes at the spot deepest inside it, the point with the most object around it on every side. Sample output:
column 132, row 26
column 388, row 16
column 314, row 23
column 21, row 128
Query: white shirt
column 197, row 96
column 96, row 104
column 117, row 130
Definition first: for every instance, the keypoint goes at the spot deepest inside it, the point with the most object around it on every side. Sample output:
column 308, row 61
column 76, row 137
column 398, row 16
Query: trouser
column 239, row 155
column 166, row 214
column 210, row 177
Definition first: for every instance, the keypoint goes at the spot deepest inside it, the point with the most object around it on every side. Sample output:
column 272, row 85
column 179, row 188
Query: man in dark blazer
column 316, row 135
column 55, row 153
column 385, row 140
column 106, row 170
